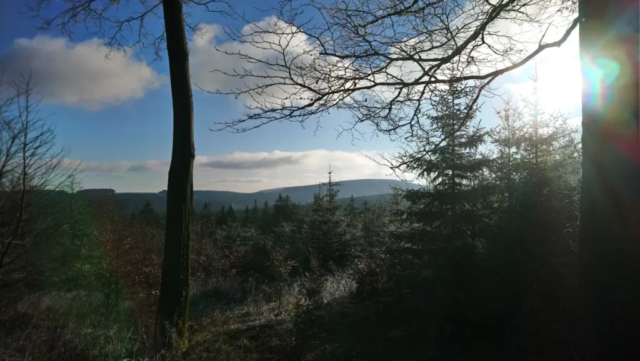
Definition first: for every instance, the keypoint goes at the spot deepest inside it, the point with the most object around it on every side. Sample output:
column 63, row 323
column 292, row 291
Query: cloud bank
column 263, row 160
column 78, row 74
column 243, row 172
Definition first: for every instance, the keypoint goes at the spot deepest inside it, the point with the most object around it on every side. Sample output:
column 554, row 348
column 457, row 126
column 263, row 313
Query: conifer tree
column 506, row 138
column 446, row 154
column 365, row 207
column 529, row 250
column 265, row 218
column 254, row 215
column 325, row 230
column 148, row 215
column 231, row 215
column 279, row 209
column 283, row 210
column 246, row 217
column 222, row 220
column 350, row 209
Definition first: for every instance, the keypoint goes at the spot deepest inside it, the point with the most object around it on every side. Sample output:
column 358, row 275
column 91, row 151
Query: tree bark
column 173, row 303
column 610, row 199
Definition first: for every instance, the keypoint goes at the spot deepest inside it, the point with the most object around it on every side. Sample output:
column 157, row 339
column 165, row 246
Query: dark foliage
column 478, row 265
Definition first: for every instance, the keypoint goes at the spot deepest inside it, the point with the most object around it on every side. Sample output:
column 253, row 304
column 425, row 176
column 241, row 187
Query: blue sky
column 116, row 115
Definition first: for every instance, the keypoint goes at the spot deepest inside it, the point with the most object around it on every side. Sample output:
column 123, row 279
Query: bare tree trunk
column 610, row 199
column 173, row 304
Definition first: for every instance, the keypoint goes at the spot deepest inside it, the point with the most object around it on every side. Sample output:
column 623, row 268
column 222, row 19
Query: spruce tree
column 231, row 215
column 265, row 218
column 283, row 210
column 532, row 249
column 148, row 215
column 365, row 207
column 246, row 217
column 325, row 231
column 279, row 209
column 443, row 220
column 254, row 215
column 447, row 156
column 222, row 220
column 507, row 138
column 350, row 209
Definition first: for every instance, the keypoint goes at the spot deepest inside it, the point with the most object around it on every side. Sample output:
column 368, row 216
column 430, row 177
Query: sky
column 115, row 113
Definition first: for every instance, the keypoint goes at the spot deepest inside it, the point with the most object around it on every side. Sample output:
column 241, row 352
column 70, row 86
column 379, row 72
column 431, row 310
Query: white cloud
column 240, row 180
column 312, row 165
column 78, row 74
column 265, row 40
column 118, row 167
column 262, row 160
column 245, row 172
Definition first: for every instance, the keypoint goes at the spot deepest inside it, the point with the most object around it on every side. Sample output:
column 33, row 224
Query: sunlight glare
column 559, row 79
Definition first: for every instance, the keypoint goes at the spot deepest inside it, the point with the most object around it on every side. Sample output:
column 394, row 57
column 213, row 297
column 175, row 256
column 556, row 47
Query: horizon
column 320, row 183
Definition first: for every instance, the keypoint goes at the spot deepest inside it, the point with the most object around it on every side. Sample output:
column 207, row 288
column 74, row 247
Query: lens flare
column 598, row 75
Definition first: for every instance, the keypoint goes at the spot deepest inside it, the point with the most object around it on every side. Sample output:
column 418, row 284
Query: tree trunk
column 610, row 199
column 173, row 303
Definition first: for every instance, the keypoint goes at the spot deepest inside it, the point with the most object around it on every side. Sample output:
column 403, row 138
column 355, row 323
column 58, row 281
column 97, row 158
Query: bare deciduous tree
column 31, row 168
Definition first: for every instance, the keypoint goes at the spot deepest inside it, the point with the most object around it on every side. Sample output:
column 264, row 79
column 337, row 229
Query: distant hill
column 364, row 189
column 92, row 193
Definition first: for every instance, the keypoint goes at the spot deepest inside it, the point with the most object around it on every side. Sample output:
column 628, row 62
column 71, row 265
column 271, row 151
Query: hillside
column 363, row 189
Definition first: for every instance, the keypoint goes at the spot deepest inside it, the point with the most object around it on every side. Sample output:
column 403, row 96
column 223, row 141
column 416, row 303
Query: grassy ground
column 228, row 322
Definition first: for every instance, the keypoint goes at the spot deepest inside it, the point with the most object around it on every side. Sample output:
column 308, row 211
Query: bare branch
column 381, row 61
column 31, row 167
column 119, row 29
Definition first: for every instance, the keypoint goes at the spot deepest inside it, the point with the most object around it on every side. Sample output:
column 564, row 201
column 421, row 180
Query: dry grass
column 229, row 322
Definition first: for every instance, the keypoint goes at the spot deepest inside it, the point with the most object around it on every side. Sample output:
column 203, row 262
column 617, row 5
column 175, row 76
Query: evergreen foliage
column 480, row 264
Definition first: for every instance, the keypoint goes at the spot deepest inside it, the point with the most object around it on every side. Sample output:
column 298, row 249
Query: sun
column 560, row 82
column 559, row 79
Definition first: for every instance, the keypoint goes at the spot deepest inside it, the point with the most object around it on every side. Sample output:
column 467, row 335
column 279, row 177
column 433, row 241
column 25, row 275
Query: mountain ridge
column 364, row 189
